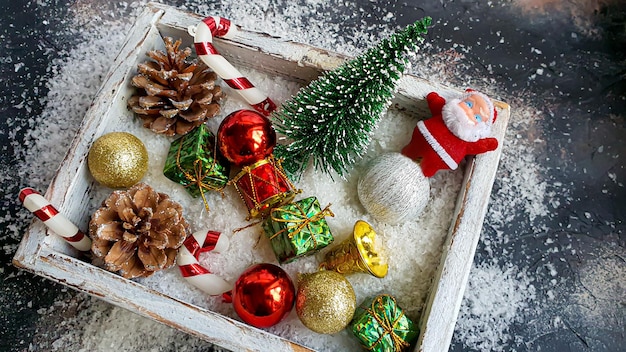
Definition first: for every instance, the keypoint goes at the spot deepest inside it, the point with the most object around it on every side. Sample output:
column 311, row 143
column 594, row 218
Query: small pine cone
column 174, row 95
column 138, row 231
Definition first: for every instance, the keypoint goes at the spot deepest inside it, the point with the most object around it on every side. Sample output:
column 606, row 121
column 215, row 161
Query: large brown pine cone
column 138, row 232
column 174, row 95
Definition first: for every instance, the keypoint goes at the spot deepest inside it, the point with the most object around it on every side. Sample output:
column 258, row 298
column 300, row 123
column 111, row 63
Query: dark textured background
column 582, row 103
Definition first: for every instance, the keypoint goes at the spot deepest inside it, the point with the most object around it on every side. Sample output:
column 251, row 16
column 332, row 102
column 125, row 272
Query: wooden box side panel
column 273, row 55
column 442, row 307
column 137, row 298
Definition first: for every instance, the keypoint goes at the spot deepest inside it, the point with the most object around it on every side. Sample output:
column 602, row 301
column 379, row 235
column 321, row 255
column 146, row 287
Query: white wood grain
column 54, row 259
column 442, row 307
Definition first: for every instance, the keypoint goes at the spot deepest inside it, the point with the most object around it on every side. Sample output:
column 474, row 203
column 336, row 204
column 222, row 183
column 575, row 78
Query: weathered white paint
column 54, row 259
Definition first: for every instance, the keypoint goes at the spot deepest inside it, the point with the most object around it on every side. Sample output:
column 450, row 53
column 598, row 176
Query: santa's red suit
column 438, row 147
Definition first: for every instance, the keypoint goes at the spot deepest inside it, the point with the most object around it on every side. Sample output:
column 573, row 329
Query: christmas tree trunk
column 332, row 119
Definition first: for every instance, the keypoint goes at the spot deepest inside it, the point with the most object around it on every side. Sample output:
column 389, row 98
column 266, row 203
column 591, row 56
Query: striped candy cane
column 55, row 221
column 203, row 34
column 192, row 271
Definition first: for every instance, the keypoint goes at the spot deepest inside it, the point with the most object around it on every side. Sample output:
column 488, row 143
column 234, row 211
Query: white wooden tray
column 70, row 189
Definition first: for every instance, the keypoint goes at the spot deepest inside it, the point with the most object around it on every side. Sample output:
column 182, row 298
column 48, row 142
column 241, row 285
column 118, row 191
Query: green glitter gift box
column 297, row 229
column 381, row 326
column 194, row 161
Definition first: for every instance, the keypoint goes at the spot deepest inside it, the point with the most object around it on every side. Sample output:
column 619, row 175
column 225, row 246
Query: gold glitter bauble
column 325, row 301
column 118, row 160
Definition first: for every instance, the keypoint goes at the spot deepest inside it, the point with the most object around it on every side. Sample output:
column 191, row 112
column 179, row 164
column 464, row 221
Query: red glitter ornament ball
column 245, row 137
column 263, row 295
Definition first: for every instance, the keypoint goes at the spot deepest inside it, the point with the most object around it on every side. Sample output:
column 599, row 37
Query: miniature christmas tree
column 332, row 118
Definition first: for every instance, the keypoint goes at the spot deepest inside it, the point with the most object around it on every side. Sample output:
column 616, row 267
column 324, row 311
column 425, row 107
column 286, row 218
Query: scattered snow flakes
column 485, row 318
column 499, row 34
column 551, row 269
column 613, row 176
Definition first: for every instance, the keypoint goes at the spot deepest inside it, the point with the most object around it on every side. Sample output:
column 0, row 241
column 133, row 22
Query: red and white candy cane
column 203, row 34
column 54, row 220
column 192, row 271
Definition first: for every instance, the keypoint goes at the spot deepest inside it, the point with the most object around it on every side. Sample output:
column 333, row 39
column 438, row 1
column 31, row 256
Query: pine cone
column 175, row 95
column 138, row 232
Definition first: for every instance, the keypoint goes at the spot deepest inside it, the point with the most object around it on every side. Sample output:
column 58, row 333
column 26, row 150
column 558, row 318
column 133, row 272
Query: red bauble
column 263, row 295
column 245, row 137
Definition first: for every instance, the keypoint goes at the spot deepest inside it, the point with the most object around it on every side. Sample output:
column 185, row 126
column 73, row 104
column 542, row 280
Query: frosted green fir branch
column 332, row 119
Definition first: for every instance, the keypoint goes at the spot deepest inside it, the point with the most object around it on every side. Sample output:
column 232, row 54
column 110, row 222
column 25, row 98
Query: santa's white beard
column 456, row 120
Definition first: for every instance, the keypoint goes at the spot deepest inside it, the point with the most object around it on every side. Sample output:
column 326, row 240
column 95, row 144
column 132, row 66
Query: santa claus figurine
column 393, row 188
column 457, row 128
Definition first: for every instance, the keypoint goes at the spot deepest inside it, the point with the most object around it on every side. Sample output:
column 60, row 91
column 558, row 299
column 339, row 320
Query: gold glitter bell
column 360, row 253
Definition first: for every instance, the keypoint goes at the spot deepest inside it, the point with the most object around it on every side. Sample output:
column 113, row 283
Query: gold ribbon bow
column 300, row 222
column 196, row 179
column 388, row 326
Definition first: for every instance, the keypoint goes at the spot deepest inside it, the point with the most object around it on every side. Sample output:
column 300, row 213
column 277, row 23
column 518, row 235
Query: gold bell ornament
column 361, row 253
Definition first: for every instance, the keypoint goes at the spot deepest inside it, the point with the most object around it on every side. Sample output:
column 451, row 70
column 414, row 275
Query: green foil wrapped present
column 194, row 161
column 297, row 229
column 380, row 325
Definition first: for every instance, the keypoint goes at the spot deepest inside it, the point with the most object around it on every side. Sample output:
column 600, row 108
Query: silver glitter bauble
column 393, row 189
